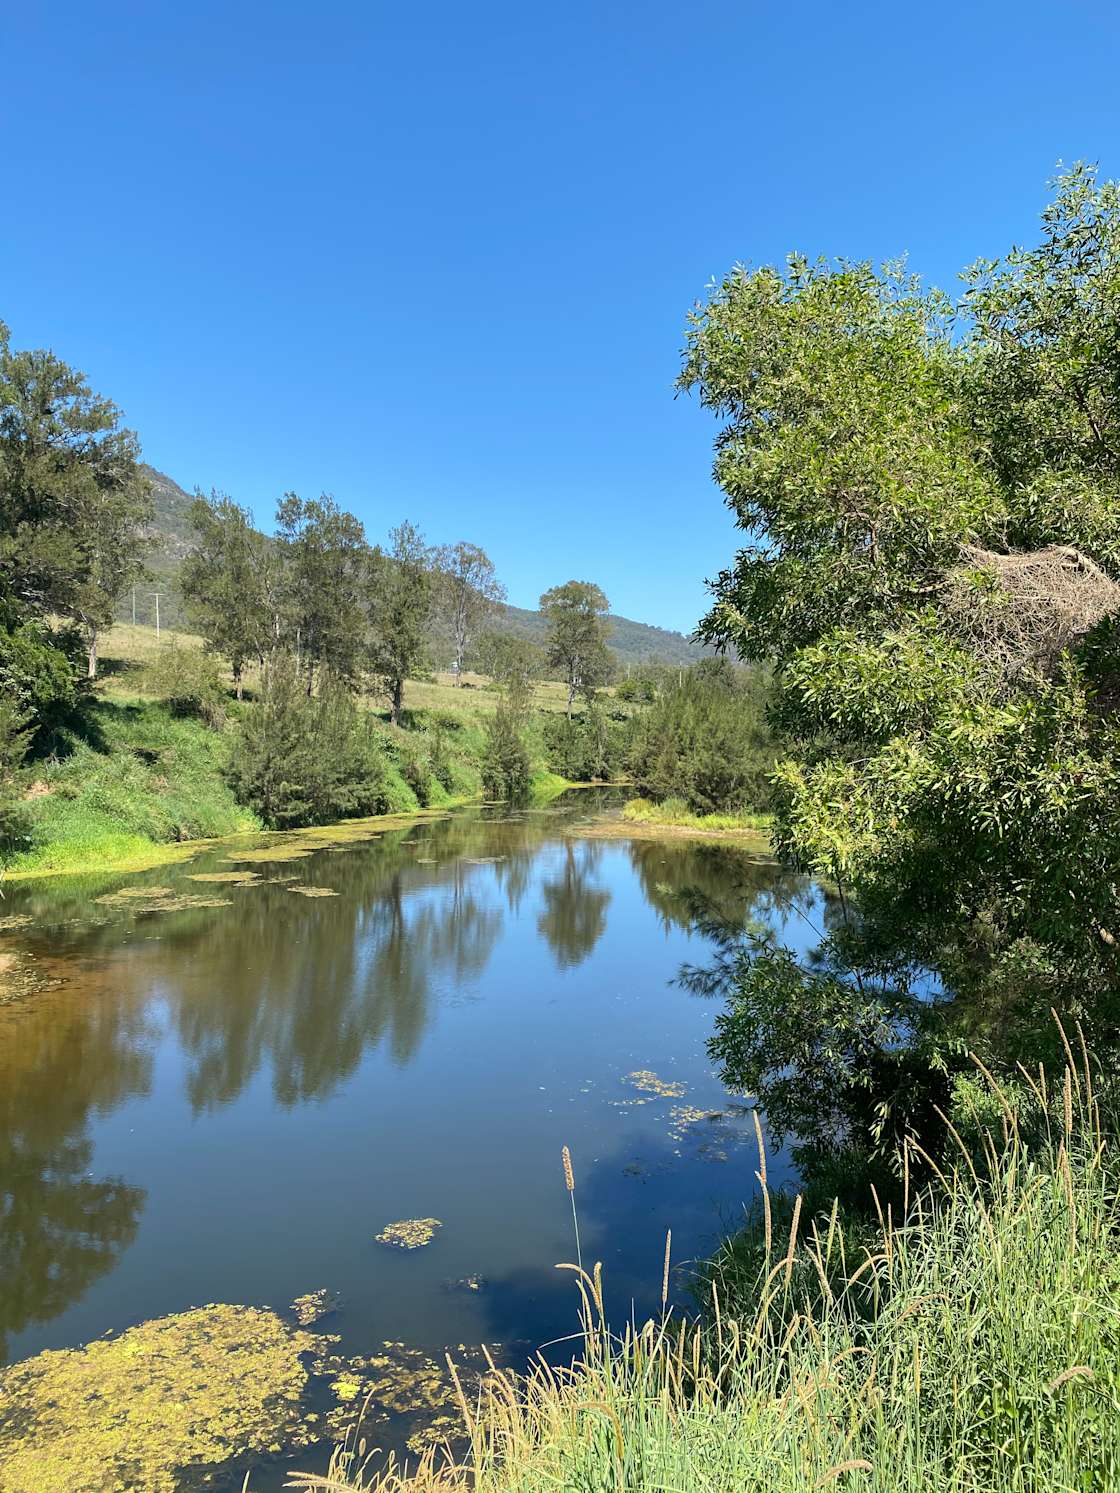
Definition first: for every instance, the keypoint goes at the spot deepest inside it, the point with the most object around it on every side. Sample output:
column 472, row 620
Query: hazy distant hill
column 632, row 642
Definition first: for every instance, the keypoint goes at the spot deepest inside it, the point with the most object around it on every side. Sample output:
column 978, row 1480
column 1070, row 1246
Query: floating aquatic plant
column 409, row 1233
column 313, row 891
column 141, row 899
column 313, row 1305
column 235, row 878
column 404, row 1385
column 649, row 1082
column 140, row 1410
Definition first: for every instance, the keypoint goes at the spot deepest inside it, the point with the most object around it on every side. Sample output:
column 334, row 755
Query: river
column 234, row 1086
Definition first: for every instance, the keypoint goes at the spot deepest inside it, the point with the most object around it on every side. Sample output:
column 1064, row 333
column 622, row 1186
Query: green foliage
column 400, row 600
column 576, row 615
column 73, row 501
column 231, row 579
column 882, row 470
column 586, row 747
column 40, row 677
column 506, row 768
column 189, row 682
column 303, row 759
column 706, row 741
column 325, row 560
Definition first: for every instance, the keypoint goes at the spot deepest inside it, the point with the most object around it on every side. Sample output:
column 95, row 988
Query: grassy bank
column 673, row 813
column 140, row 785
column 137, row 784
column 972, row 1343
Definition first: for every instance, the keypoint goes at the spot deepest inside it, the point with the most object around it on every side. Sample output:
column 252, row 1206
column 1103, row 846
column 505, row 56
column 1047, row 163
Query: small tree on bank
column 73, row 501
column 576, row 615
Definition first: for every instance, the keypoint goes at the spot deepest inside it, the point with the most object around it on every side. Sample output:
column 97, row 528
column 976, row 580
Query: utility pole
column 157, row 595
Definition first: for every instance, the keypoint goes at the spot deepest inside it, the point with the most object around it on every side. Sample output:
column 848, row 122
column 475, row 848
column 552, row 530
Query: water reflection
column 279, row 995
column 60, row 1227
column 575, row 905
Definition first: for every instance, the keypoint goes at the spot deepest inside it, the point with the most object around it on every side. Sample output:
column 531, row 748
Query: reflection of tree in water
column 346, row 975
column 575, row 910
column 62, row 1057
column 739, row 887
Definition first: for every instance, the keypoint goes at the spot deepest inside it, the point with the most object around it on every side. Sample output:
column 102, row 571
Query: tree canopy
column 917, row 481
column 576, row 616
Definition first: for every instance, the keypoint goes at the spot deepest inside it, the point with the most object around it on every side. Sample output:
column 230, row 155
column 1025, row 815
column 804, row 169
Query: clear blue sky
column 436, row 258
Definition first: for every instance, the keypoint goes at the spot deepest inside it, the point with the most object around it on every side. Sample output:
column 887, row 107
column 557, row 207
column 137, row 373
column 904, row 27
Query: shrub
column 706, row 740
column 506, row 768
column 39, row 674
column 300, row 759
column 190, row 682
column 588, row 746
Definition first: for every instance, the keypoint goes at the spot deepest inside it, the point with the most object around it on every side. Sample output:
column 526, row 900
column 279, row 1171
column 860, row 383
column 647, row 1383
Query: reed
column 970, row 1344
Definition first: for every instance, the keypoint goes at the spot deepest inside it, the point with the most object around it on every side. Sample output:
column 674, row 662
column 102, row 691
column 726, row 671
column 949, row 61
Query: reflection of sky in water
column 226, row 1105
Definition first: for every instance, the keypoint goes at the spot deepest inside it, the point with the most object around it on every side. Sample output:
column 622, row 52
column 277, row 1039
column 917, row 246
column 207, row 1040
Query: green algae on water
column 143, row 899
column 649, row 1083
column 140, row 1410
column 409, row 1233
column 402, row 1385
column 311, row 1307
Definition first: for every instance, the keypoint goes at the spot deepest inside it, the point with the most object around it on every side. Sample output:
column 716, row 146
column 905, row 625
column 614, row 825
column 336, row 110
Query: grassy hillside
column 142, row 779
column 631, row 642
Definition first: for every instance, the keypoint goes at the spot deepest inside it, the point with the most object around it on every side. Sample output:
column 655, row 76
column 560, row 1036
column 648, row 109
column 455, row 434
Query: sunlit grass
column 675, row 812
column 972, row 1344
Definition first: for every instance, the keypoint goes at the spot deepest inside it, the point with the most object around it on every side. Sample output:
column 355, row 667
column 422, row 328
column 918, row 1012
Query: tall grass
column 971, row 1344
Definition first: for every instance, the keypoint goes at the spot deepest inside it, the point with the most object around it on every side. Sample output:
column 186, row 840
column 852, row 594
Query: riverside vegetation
column 930, row 494
column 924, row 708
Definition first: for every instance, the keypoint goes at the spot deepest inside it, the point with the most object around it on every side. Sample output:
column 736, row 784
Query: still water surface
column 226, row 1103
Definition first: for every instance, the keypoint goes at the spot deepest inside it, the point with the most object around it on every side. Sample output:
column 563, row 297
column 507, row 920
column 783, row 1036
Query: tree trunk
column 237, row 682
column 396, row 701
column 571, row 696
column 91, row 654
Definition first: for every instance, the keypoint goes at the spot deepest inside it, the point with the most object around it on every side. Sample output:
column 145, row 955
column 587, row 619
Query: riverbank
column 970, row 1343
column 639, row 819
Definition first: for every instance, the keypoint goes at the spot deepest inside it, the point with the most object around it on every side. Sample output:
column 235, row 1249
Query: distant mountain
column 631, row 642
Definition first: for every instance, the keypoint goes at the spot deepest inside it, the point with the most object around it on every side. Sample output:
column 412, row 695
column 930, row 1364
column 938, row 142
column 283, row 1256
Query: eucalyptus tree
column 399, row 601
column 468, row 593
column 230, row 581
column 326, row 564
column 577, row 621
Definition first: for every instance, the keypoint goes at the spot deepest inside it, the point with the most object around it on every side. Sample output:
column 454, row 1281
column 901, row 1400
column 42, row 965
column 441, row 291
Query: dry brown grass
column 127, row 649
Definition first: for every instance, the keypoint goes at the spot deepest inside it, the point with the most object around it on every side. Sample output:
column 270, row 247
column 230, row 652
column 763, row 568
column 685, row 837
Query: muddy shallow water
column 241, row 1069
